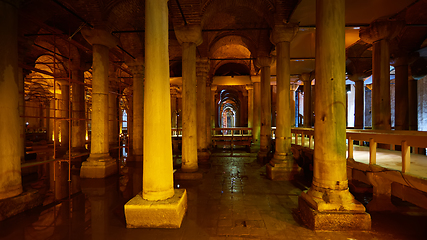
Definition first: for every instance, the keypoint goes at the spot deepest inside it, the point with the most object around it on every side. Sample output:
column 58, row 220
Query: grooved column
column 137, row 69
column 306, row 78
column 99, row 164
column 78, row 132
column 282, row 164
column 250, row 88
column 379, row 34
column 328, row 204
column 189, row 36
column 10, row 123
column 202, row 144
column 264, row 63
column 160, row 205
column 401, row 94
column 256, row 129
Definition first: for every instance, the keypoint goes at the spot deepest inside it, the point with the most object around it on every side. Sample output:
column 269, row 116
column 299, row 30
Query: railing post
column 296, row 138
column 372, row 151
column 406, row 157
column 310, row 141
column 350, row 148
column 302, row 139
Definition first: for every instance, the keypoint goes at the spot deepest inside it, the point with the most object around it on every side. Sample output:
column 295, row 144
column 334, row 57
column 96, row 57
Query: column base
column 336, row 217
column 180, row 175
column 96, row 167
column 282, row 171
column 203, row 156
column 141, row 213
column 12, row 206
column 262, row 157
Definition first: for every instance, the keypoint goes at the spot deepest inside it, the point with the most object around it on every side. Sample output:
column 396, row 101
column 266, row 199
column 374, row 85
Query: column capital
column 137, row 68
column 189, row 34
column 99, row 37
column 381, row 29
column 264, row 61
column 306, row 77
column 249, row 87
column 283, row 33
column 174, row 90
column 293, row 87
column 255, row 78
column 202, row 66
column 357, row 77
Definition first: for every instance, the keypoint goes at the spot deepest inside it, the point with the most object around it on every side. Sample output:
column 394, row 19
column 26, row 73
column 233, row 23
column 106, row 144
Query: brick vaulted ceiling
column 234, row 31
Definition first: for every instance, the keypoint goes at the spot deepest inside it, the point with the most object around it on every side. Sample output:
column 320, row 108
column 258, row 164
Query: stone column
column 282, row 166
column 208, row 114
column 256, row 129
column 65, row 113
column 214, row 107
column 99, row 164
column 189, row 36
column 174, row 92
column 137, row 68
column 202, row 144
column 379, row 34
column 113, row 133
column 264, row 63
column 159, row 205
column 308, row 112
column 10, row 152
column 401, row 94
column 78, row 132
column 328, row 204
column 359, row 100
column 293, row 88
column 250, row 88
column 413, row 104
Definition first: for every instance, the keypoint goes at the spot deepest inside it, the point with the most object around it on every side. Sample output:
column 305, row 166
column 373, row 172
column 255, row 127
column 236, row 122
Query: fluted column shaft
column 10, row 152
column 158, row 168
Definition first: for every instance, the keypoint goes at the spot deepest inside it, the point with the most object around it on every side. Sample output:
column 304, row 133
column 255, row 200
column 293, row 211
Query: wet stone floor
column 234, row 200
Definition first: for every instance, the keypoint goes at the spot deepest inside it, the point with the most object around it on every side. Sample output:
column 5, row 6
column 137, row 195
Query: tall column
column 137, row 69
column 250, row 88
column 282, row 166
column 256, row 129
column 99, row 164
column 359, row 100
column 214, row 107
column 264, row 63
column 328, row 204
column 379, row 34
column 159, row 205
column 307, row 120
column 401, row 94
column 293, row 88
column 65, row 113
column 189, row 36
column 113, row 132
column 413, row 104
column 78, row 132
column 208, row 114
column 174, row 92
column 202, row 144
column 10, row 152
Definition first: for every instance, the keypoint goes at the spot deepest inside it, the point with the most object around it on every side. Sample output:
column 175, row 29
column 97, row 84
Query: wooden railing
column 176, row 132
column 232, row 136
column 406, row 139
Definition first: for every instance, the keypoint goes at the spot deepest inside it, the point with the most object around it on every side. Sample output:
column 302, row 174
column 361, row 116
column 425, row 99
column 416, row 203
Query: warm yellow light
column 87, row 136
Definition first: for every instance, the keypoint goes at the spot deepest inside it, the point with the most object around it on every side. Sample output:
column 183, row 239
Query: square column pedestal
column 282, row 171
column 332, row 220
column 141, row 213
column 98, row 169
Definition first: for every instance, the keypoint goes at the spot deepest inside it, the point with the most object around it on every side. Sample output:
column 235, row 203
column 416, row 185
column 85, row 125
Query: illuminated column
column 208, row 113
column 99, row 164
column 214, row 107
column 113, row 131
column 137, row 69
column 160, row 205
column 379, row 34
column 306, row 78
column 250, row 88
column 78, row 132
column 10, row 152
column 189, row 36
column 256, row 129
column 174, row 92
column 264, row 63
column 328, row 204
column 64, row 113
column 282, row 166
column 359, row 101
column 401, row 94
column 202, row 144
column 293, row 88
